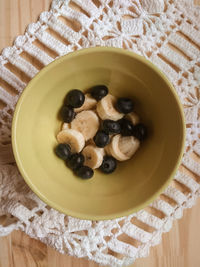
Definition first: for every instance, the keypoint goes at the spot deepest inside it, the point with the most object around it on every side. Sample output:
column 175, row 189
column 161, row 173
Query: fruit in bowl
column 135, row 182
column 102, row 131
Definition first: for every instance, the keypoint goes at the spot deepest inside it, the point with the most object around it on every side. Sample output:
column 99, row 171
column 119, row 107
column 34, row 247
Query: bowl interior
column 135, row 182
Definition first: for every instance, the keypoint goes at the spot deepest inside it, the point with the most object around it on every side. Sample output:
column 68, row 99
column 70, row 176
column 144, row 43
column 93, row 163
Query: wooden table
column 179, row 248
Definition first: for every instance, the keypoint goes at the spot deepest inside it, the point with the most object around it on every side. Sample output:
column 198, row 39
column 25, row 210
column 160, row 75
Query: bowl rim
column 52, row 65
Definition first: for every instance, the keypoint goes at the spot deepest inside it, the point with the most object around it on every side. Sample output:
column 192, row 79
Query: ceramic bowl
column 136, row 182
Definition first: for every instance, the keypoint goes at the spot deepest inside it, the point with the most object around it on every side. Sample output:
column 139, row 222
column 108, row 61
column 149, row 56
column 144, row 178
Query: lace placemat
column 165, row 32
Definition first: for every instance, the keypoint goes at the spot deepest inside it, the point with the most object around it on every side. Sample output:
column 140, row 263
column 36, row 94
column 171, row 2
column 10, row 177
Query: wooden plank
column 6, row 259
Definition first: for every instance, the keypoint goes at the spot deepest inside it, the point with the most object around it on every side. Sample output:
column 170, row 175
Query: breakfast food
column 73, row 138
column 114, row 150
column 63, row 151
column 140, row 131
column 101, row 139
column 65, row 126
column 124, row 105
column 112, row 127
column 75, row 98
column 99, row 91
column 75, row 161
column 84, row 172
column 97, row 131
column 106, row 108
column 67, row 114
column 87, row 123
column 108, row 165
column 133, row 117
column 126, row 127
column 88, row 104
column 93, row 156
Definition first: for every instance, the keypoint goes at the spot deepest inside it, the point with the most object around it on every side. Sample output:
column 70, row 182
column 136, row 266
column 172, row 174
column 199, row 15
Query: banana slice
column 128, row 145
column 89, row 103
column 133, row 117
column 87, row 123
column 72, row 137
column 123, row 147
column 93, row 156
column 114, row 149
column 65, row 126
column 106, row 109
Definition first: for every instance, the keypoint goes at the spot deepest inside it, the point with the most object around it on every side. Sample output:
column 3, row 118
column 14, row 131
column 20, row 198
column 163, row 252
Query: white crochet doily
column 165, row 32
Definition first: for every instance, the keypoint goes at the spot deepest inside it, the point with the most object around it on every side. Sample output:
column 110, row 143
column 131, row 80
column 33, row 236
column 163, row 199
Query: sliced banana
column 89, row 103
column 114, row 149
column 65, row 126
column 122, row 147
column 93, row 156
column 106, row 109
column 72, row 137
column 128, row 145
column 133, row 117
column 87, row 123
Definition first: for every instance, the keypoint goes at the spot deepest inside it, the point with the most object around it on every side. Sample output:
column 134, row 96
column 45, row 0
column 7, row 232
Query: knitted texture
column 166, row 33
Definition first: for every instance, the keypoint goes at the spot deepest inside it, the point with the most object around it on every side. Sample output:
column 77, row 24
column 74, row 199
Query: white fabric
column 165, row 32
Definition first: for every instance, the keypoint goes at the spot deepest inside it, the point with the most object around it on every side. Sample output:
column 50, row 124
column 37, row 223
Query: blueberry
column 124, row 105
column 75, row 98
column 76, row 161
column 140, row 131
column 111, row 126
column 63, row 151
column 67, row 113
column 99, row 91
column 126, row 127
column 84, row 172
column 101, row 139
column 108, row 165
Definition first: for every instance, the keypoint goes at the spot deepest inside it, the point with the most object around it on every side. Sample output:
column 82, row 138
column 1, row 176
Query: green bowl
column 136, row 182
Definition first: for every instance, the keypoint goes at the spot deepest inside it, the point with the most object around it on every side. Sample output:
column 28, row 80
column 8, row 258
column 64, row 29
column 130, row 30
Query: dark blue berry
column 75, row 98
column 110, row 126
column 101, row 139
column 63, row 151
column 76, row 161
column 99, row 91
column 108, row 165
column 124, row 105
column 140, row 131
column 67, row 113
column 126, row 127
column 84, row 172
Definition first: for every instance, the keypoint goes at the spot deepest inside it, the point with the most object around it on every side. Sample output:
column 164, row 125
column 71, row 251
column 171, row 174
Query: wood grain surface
column 179, row 247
